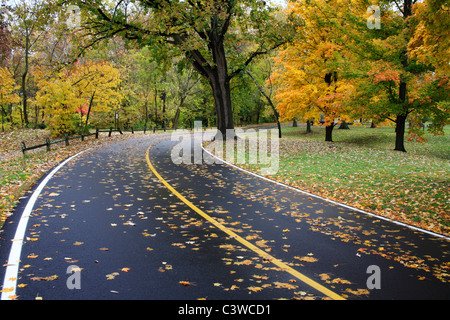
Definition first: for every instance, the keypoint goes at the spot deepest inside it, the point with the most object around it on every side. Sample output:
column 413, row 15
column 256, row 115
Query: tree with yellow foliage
column 309, row 83
column 59, row 100
column 387, row 52
column 98, row 83
column 431, row 40
column 7, row 95
column 80, row 89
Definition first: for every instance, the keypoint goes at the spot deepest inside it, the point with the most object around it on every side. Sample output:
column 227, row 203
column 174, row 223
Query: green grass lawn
column 361, row 169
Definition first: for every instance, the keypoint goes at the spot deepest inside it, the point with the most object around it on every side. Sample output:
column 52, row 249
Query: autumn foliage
column 338, row 68
column 7, row 94
column 310, row 85
column 70, row 94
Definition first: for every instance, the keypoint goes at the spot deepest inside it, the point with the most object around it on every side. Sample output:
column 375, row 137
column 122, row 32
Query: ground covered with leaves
column 18, row 173
column 360, row 169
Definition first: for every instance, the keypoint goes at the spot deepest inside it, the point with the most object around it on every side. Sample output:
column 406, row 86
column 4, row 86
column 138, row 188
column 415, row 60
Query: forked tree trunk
column 219, row 80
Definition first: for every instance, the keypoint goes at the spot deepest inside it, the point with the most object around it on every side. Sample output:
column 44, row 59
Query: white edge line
column 328, row 200
column 12, row 269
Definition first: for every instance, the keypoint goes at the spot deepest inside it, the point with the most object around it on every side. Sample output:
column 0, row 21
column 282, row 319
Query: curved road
column 125, row 222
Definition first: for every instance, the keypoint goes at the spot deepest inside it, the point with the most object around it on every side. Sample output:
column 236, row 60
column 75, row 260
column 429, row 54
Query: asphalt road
column 106, row 227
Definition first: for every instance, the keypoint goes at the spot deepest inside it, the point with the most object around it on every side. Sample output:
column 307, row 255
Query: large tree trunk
column 308, row 126
column 220, row 84
column 219, row 81
column 329, row 132
column 400, row 133
column 222, row 96
column 400, row 121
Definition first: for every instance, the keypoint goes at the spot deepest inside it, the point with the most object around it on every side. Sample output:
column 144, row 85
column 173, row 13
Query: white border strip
column 12, row 269
column 328, row 200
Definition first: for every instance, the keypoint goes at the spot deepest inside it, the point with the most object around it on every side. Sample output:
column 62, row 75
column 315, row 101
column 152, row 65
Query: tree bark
column 220, row 84
column 24, row 79
column 329, row 133
column 400, row 123
column 219, row 81
column 89, row 109
column 308, row 126
column 344, row 125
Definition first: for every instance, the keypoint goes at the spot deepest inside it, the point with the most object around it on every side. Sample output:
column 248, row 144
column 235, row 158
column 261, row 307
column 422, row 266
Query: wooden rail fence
column 66, row 139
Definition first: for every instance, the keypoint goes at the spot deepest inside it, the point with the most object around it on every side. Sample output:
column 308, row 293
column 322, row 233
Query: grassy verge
column 360, row 169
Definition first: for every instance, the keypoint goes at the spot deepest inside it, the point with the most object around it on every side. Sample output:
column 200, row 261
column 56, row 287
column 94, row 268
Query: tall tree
column 389, row 79
column 76, row 89
column 431, row 40
column 5, row 35
column 29, row 22
column 219, row 37
column 97, row 82
column 310, row 83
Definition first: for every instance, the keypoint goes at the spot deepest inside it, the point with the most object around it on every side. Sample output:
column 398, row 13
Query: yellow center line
column 244, row 242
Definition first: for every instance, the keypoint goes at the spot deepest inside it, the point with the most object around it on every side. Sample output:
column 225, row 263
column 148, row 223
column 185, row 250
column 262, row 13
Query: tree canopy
column 167, row 63
column 220, row 38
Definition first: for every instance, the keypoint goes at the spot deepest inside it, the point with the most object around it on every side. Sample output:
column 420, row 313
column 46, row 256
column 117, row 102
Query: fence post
column 132, row 130
column 96, row 133
column 24, row 148
column 154, row 129
column 66, row 138
column 110, row 131
column 47, row 141
column 82, row 137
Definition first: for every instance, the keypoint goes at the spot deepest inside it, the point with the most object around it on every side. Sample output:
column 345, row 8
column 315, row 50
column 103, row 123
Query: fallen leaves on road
column 306, row 259
column 49, row 278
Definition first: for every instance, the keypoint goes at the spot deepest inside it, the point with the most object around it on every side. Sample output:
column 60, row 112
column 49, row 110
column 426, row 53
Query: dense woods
column 71, row 66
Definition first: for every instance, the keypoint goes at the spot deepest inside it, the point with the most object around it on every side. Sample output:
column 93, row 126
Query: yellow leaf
column 306, row 259
column 324, row 276
column 342, row 281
